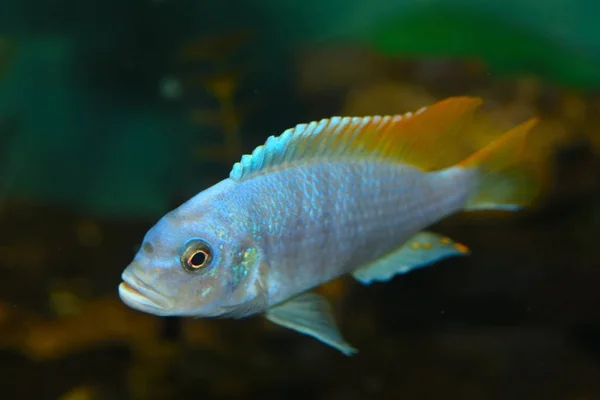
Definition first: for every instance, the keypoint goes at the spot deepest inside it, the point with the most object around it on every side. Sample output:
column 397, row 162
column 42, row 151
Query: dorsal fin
column 428, row 139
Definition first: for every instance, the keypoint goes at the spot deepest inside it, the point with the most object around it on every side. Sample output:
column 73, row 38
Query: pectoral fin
column 423, row 249
column 310, row 314
column 246, row 309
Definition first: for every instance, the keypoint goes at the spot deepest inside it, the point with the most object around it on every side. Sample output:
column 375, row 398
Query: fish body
column 319, row 221
column 334, row 197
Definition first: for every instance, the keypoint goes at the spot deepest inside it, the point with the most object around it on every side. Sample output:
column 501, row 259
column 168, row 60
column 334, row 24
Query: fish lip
column 138, row 294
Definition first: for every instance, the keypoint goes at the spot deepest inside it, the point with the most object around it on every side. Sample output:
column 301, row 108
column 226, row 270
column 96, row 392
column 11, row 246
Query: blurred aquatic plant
column 221, row 83
column 503, row 46
column 9, row 129
column 7, row 52
column 44, row 339
column 79, row 393
column 227, row 118
column 328, row 69
column 216, row 49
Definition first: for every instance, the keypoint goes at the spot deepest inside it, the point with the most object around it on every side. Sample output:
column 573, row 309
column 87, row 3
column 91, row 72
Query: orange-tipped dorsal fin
column 429, row 139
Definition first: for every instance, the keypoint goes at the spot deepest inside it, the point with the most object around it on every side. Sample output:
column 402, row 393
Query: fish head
column 196, row 261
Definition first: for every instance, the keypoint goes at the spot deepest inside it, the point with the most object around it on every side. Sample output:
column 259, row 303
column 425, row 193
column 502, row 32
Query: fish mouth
column 139, row 295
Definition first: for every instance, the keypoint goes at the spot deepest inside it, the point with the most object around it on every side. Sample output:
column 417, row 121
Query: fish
column 341, row 196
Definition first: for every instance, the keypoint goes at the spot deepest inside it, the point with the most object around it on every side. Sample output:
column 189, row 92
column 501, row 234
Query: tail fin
column 510, row 176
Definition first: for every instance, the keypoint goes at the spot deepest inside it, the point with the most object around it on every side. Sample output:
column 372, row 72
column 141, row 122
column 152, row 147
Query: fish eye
column 196, row 256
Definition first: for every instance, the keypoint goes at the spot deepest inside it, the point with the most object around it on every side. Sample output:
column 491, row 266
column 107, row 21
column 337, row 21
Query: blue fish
column 344, row 195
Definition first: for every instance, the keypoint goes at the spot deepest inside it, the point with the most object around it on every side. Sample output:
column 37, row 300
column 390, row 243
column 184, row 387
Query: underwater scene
column 284, row 199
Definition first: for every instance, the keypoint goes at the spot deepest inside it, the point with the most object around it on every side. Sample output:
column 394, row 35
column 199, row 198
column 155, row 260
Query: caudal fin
column 510, row 175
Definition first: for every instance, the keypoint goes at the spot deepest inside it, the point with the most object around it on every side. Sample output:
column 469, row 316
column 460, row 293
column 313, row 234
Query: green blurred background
column 114, row 112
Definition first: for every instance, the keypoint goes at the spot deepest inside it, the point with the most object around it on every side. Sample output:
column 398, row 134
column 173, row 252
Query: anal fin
column 311, row 315
column 423, row 249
